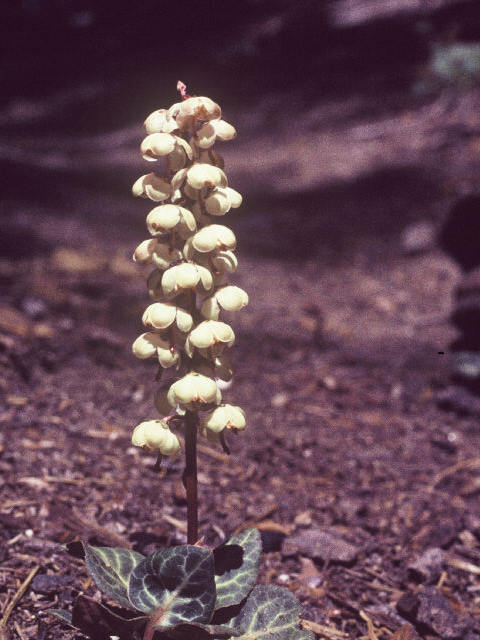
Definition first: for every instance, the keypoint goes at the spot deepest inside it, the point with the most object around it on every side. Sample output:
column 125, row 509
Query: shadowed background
column 354, row 117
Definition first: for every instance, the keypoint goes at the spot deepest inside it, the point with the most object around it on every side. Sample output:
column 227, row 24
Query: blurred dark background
column 359, row 117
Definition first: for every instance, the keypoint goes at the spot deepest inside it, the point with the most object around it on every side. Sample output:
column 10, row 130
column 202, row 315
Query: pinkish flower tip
column 182, row 87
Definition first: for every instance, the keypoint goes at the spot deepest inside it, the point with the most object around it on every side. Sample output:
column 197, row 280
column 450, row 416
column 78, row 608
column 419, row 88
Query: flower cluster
column 192, row 255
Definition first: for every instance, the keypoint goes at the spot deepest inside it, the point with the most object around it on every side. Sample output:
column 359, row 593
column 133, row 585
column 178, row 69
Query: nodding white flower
column 153, row 187
column 209, row 337
column 194, row 391
column 162, row 315
column 143, row 253
column 225, row 416
column 225, row 261
column 160, row 121
column 155, row 435
column 221, row 200
column 228, row 297
column 194, row 109
column 202, row 175
column 170, row 216
column 186, row 276
column 213, row 130
column 215, row 236
column 151, row 344
column 218, row 261
column 157, row 145
column 158, row 252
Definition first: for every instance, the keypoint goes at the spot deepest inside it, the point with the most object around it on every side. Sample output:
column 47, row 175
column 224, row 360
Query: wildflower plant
column 188, row 592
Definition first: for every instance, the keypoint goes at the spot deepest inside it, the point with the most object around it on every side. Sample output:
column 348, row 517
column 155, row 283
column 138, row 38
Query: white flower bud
column 228, row 297
column 158, row 252
column 186, row 276
column 143, row 253
column 224, row 131
column 209, row 334
column 205, row 136
column 157, row 145
column 225, row 261
column 152, row 186
column 160, row 121
column 205, row 175
column 226, row 416
column 234, row 197
column 173, row 111
column 155, row 435
column 218, row 203
column 150, row 344
column 161, row 315
column 196, row 108
column 168, row 216
column 194, row 391
column 215, row 236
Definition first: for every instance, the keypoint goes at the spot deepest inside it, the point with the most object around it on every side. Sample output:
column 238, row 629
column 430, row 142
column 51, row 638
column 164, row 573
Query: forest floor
column 348, row 466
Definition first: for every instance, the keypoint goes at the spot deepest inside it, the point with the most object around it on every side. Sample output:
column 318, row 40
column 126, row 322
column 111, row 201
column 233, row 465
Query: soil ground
column 338, row 358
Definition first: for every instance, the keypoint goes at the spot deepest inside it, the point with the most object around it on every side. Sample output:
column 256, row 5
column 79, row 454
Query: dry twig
column 470, row 463
column 13, row 602
column 323, row 630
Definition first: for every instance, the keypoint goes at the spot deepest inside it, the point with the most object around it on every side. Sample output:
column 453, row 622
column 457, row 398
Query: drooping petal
column 225, row 261
column 155, row 435
column 234, row 197
column 231, row 298
column 168, row 216
column 159, row 315
column 193, row 390
column 218, row 203
column 215, row 236
column 143, row 253
column 153, row 187
column 156, row 145
column 206, row 135
column 224, row 131
column 160, row 121
column 184, row 320
column 146, row 345
column 205, row 175
column 225, row 416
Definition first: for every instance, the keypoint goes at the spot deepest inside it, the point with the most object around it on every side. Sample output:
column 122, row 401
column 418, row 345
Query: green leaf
column 176, row 585
column 270, row 613
column 236, row 567
column 189, row 630
column 111, row 570
column 65, row 616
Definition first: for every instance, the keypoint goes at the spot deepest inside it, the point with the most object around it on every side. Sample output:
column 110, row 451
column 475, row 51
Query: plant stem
column 191, row 476
column 149, row 631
